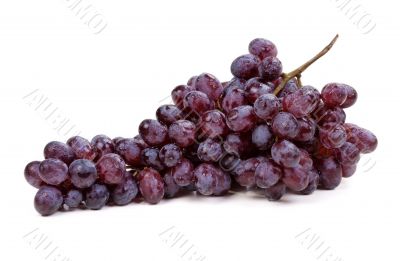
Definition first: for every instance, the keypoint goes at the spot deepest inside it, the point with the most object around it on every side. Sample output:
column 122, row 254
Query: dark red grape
column 312, row 183
column 332, row 137
column 139, row 140
column 170, row 187
column 179, row 93
column 210, row 85
column 307, row 127
column 168, row 114
column 170, row 155
column 191, row 82
column 130, row 151
column 153, row 132
column 238, row 144
column 197, row 102
column 329, row 116
column 151, row 186
column 223, row 183
column 82, row 148
column 364, row 139
column 102, row 145
column 301, row 102
column 270, row 68
column 267, row 174
column 232, row 99
column 213, row 124
column 125, row 192
column 183, row 173
column 96, row 197
column 267, row 106
column 334, row 94
column 245, row 66
column 31, row 174
column 59, row 150
column 285, row 125
column 348, row 154
column 255, row 87
column 296, row 179
column 348, row 170
column 182, row 133
column 210, row 151
column 290, row 87
column 73, row 199
column 53, row 171
column 285, row 154
column 351, row 96
column 244, row 173
column 241, row 119
column 48, row 200
column 151, row 158
column 330, row 172
column 262, row 137
column 275, row 192
column 83, row 173
column 111, row 168
column 205, row 179
column 262, row 48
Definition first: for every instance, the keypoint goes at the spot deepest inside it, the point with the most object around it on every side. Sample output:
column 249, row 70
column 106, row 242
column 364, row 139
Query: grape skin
column 245, row 66
column 96, row 197
column 31, row 174
column 111, row 168
column 285, row 125
column 153, row 132
column 285, row 153
column 330, row 173
column 102, row 145
column 182, row 133
column 210, row 85
column 83, row 173
column 270, row 68
column 183, row 173
column 48, row 200
column 241, row 119
column 59, row 150
column 170, row 155
column 53, row 171
column 262, row 48
column 151, row 185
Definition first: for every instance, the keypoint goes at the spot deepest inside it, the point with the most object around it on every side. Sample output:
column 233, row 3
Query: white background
column 110, row 81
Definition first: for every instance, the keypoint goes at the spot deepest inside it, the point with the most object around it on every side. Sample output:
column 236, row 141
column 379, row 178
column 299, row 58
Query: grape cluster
column 262, row 130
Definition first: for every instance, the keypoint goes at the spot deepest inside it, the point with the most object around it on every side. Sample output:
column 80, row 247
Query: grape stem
column 297, row 73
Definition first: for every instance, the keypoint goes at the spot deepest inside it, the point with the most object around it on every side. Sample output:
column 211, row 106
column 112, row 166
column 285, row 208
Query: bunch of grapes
column 263, row 130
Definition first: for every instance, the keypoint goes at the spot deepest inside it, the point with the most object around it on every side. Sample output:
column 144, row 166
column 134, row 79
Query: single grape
column 82, row 148
column 332, row 137
column 48, row 200
column 241, row 119
column 179, row 93
column 235, row 83
column 96, row 197
column 290, row 87
column 351, row 96
column 73, row 199
column 130, row 151
column 223, row 183
column 267, row 106
column 364, row 139
column 307, row 128
column 270, row 68
column 210, row 85
column 151, row 158
column 102, row 145
column 197, row 102
column 329, row 116
column 170, row 155
column 313, row 182
column 263, row 48
column 59, row 150
column 267, row 174
column 53, row 171
column 153, row 132
column 168, row 114
column 334, row 94
column 83, row 173
column 139, row 140
column 151, row 185
column 330, row 172
column 183, row 173
column 125, row 192
column 233, row 98
column 31, row 174
column 245, row 66
column 182, row 133
column 244, row 173
column 285, row 125
column 348, row 170
column 111, row 168
column 262, row 137
column 296, row 179
column 210, row 151
column 238, row 144
column 301, row 102
column 205, row 179
column 255, row 87
column 275, row 192
column 170, row 187
column 213, row 124
column 306, row 162
column 348, row 154
column 285, row 154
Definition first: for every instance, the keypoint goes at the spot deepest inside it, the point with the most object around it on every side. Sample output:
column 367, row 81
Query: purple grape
column 111, row 168
column 183, row 173
column 262, row 137
column 334, row 94
column 182, row 133
column 83, row 173
column 213, row 124
column 241, row 119
column 151, row 158
column 351, row 96
column 60, row 151
column 139, row 140
column 348, row 170
column 234, row 98
column 245, row 66
column 223, row 183
column 301, row 102
column 296, row 179
column 330, row 173
column 332, row 136
column 125, row 192
column 53, row 171
column 307, row 127
column 102, row 145
column 267, row 174
column 285, row 125
column 170, row 155
column 32, row 173
column 210, row 151
column 290, row 87
column 191, row 82
column 153, row 132
column 348, row 154
column 229, row 162
column 130, row 151
column 82, row 148
column 270, row 68
column 48, row 200
column 170, row 187
column 210, row 85
column 197, row 102
column 205, row 179
column 267, row 106
column 244, row 173
column 255, row 87
column 168, row 114
column 238, row 144
column 275, row 192
column 329, row 116
column 285, row 154
column 73, row 199
column 151, row 185
column 313, row 182
column 262, row 48
column 116, row 140
column 96, row 197
column 365, row 140
column 179, row 93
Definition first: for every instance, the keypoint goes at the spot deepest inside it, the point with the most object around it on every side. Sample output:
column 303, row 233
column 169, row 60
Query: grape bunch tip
column 262, row 130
